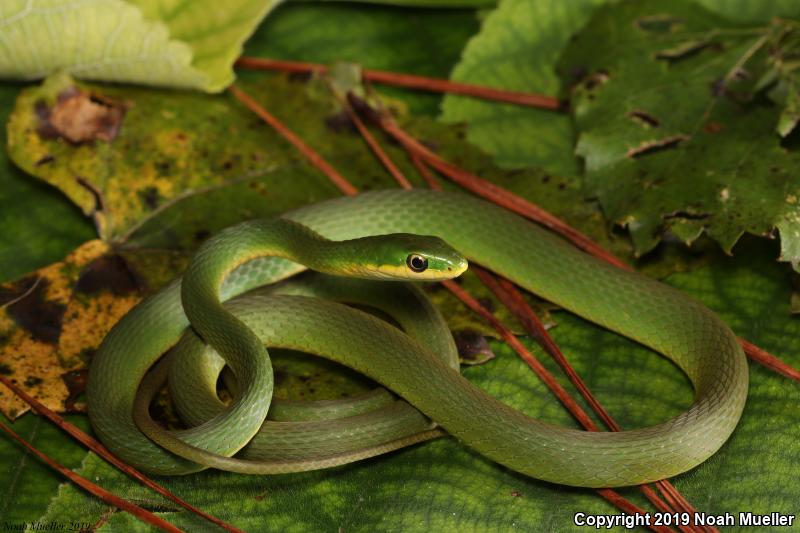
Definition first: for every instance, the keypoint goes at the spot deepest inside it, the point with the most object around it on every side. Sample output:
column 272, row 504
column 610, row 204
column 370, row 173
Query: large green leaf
column 667, row 143
column 443, row 486
column 516, row 49
column 174, row 43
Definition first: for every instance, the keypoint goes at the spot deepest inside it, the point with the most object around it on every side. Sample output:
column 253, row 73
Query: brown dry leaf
column 31, row 322
column 52, row 320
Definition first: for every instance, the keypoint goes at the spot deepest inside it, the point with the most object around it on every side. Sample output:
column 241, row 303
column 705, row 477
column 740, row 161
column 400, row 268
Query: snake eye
column 417, row 263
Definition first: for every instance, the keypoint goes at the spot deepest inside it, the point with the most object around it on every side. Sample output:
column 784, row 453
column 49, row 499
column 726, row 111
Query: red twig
column 513, row 300
column 106, row 454
column 373, row 144
column 682, row 503
column 617, row 499
column 314, row 158
column 425, row 172
column 100, row 492
column 412, row 81
column 651, row 495
column 765, row 358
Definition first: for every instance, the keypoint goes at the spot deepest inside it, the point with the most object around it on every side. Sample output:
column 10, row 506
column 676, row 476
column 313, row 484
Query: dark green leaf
column 674, row 134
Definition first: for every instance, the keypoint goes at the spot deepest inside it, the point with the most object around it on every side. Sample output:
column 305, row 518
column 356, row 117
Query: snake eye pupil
column 417, row 263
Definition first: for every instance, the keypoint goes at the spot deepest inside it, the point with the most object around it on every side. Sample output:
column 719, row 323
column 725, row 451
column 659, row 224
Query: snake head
column 407, row 257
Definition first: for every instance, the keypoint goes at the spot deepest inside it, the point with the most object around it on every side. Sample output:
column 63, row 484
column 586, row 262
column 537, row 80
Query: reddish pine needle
column 682, row 503
column 663, row 506
column 768, row 360
column 618, row 500
column 412, row 81
column 100, row 492
column 509, row 296
column 313, row 157
column 425, row 172
column 373, row 144
column 95, row 445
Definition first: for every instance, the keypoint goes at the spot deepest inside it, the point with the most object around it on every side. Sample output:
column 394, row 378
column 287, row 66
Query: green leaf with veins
column 516, row 49
column 173, row 43
column 672, row 131
column 442, row 486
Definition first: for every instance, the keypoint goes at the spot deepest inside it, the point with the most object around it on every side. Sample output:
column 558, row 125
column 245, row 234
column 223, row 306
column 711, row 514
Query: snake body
column 644, row 310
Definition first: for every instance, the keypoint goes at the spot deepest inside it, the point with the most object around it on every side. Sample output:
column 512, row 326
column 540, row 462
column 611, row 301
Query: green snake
column 408, row 235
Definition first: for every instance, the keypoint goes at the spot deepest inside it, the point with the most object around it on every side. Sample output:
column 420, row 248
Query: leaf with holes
column 674, row 131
